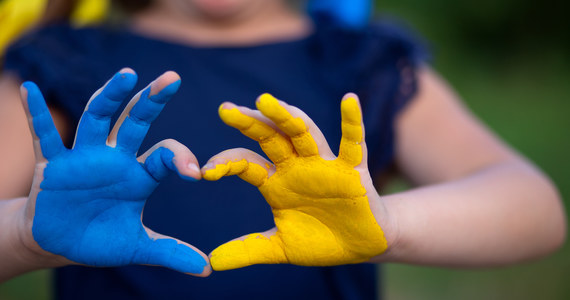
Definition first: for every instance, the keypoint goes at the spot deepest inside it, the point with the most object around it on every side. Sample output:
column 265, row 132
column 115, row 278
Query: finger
column 95, row 123
column 133, row 124
column 277, row 147
column 47, row 142
column 352, row 142
column 251, row 249
column 322, row 145
column 318, row 136
column 170, row 156
column 174, row 254
column 248, row 165
column 294, row 127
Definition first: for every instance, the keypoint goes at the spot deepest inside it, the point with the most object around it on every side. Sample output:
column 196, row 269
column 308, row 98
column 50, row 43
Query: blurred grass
column 515, row 79
column 519, row 85
column 32, row 286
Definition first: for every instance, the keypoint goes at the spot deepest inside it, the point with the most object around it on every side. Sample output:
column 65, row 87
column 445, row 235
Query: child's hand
column 320, row 203
column 86, row 203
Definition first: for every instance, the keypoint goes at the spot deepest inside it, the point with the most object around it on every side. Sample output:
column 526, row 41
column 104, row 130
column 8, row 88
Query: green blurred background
column 510, row 61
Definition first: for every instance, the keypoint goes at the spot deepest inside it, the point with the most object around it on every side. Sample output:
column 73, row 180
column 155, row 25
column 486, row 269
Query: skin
column 472, row 189
column 479, row 194
column 209, row 23
column 315, row 196
column 72, row 219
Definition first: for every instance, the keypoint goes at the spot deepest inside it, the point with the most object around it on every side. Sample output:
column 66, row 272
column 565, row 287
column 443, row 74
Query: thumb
column 160, row 250
column 170, row 156
column 251, row 249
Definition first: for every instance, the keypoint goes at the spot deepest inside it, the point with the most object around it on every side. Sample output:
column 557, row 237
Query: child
column 476, row 190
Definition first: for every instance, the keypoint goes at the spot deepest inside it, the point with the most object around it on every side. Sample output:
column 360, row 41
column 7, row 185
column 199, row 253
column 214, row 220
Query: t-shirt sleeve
column 379, row 63
column 387, row 82
column 56, row 59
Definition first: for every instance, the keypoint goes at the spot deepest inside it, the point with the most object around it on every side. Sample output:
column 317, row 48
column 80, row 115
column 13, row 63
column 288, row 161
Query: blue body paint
column 96, row 121
column 160, row 162
column 136, row 125
column 351, row 13
column 92, row 196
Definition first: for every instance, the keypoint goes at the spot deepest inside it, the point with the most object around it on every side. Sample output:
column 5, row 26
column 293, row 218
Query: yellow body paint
column 250, row 172
column 17, row 16
column 88, row 12
column 320, row 207
column 273, row 144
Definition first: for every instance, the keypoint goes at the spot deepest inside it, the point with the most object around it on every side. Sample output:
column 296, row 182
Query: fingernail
column 208, row 166
column 193, row 167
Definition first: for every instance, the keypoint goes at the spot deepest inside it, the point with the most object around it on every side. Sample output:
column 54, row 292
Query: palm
column 317, row 184
column 86, row 203
column 93, row 214
column 313, row 220
column 320, row 207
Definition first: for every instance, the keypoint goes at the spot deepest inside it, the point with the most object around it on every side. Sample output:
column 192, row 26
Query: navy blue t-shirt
column 312, row 73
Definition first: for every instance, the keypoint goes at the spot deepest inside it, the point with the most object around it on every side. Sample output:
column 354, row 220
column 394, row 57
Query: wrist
column 386, row 217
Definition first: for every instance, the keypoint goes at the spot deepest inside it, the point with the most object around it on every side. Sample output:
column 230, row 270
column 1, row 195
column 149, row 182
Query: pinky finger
column 352, row 145
column 41, row 122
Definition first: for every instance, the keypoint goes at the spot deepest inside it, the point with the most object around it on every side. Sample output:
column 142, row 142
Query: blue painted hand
column 86, row 202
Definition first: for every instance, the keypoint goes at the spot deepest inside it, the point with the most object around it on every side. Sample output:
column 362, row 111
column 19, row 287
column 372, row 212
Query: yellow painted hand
column 319, row 202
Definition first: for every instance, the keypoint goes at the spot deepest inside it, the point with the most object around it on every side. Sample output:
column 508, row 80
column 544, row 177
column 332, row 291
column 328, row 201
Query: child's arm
column 482, row 204
column 16, row 147
column 85, row 204
column 494, row 207
column 17, row 164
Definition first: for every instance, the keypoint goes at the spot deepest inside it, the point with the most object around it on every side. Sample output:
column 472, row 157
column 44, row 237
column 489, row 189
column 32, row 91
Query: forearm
column 503, row 214
column 12, row 249
column 17, row 254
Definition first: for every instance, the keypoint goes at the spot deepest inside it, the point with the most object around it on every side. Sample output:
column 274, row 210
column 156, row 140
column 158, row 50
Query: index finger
column 294, row 127
column 275, row 145
column 134, row 123
column 94, row 125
